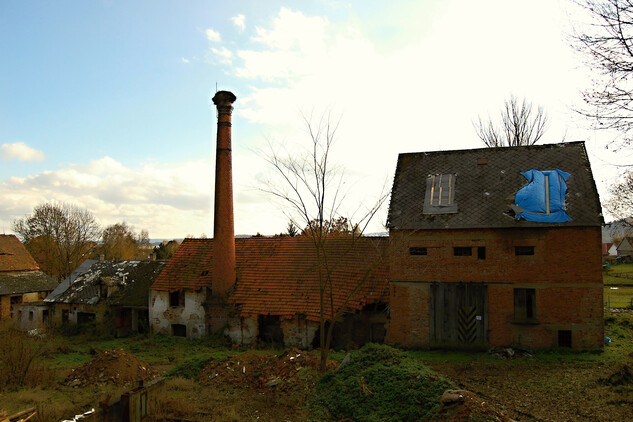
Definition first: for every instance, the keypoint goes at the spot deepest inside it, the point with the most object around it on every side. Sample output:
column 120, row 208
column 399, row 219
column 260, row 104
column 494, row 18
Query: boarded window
column 463, row 251
column 177, row 299
column 523, row 250
column 416, row 251
column 440, row 194
column 524, row 304
column 564, row 338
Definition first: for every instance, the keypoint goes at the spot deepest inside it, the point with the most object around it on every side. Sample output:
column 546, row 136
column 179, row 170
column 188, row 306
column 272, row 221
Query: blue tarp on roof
column 533, row 197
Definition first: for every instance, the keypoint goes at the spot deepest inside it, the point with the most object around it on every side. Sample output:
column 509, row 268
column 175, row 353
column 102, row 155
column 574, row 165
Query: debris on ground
column 263, row 371
column 463, row 405
column 509, row 352
column 622, row 376
column 110, row 367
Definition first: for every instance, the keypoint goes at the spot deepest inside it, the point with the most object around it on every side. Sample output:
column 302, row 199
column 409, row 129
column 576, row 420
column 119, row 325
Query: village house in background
column 21, row 280
column 467, row 273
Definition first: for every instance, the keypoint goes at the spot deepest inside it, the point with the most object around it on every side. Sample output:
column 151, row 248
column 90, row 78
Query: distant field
column 618, row 286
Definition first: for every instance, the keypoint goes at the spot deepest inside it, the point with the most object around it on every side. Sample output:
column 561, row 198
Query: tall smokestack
column 223, row 231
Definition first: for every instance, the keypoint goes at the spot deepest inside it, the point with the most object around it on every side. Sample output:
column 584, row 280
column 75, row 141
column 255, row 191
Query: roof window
column 440, row 194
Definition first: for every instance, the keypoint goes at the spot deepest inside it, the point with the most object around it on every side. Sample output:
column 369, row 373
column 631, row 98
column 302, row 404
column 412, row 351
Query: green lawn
column 618, row 286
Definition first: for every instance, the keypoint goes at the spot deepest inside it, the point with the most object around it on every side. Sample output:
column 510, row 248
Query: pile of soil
column 281, row 372
column 110, row 367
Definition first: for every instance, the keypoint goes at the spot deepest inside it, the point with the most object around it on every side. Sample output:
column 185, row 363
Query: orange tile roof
column 14, row 256
column 278, row 275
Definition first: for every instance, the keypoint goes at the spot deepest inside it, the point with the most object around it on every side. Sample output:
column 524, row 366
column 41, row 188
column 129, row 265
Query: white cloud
column 170, row 200
column 182, row 59
column 224, row 54
column 212, row 35
column 239, row 21
column 21, row 152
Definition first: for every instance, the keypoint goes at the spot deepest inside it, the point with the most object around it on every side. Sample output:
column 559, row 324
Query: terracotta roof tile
column 14, row 256
column 278, row 275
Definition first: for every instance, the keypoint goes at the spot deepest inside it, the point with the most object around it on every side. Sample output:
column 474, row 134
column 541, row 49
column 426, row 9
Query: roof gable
column 486, row 182
column 14, row 256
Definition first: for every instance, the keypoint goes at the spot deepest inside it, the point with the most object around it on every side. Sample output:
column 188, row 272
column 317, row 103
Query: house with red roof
column 21, row 280
column 276, row 294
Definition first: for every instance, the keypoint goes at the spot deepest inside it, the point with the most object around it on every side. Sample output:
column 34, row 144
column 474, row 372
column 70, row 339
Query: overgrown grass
column 379, row 383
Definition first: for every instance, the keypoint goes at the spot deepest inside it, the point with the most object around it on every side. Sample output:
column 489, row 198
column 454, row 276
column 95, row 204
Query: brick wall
column 565, row 272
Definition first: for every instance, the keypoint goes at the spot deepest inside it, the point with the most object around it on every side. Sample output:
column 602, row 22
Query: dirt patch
column 622, row 376
column 110, row 367
column 280, row 372
column 464, row 405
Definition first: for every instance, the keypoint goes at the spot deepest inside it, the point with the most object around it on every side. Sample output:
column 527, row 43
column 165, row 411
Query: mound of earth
column 261, row 371
column 110, row 367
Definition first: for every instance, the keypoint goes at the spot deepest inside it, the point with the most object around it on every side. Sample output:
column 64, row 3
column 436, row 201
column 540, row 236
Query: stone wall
column 162, row 317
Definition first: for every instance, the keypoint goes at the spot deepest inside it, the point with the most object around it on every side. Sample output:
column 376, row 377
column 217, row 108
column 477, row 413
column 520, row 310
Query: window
column 177, row 299
column 30, row 315
column 525, row 304
column 440, row 194
column 415, row 251
column 462, row 251
column 45, row 316
column 481, row 252
column 523, row 250
column 564, row 338
column 179, row 330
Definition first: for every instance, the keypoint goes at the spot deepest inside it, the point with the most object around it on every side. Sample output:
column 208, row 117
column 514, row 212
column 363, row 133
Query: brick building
column 471, row 268
column 276, row 295
column 21, row 280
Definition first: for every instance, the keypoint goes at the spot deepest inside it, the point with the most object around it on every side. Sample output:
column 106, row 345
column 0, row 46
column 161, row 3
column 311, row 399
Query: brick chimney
column 223, row 231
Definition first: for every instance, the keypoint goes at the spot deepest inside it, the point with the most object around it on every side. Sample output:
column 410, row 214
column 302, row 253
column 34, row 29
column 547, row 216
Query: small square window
column 564, row 338
column 481, row 252
column 524, row 304
column 462, row 251
column 416, row 251
column 177, row 299
column 523, row 250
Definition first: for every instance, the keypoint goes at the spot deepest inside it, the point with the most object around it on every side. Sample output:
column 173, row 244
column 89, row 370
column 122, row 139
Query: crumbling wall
column 192, row 315
column 242, row 330
column 299, row 332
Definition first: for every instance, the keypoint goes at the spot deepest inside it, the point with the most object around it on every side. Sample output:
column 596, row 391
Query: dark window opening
column 524, row 304
column 270, row 329
column 177, row 299
column 463, row 251
column 15, row 300
column 179, row 330
column 415, row 251
column 85, row 317
column 45, row 316
column 564, row 338
column 205, row 272
column 30, row 315
column 523, row 250
column 65, row 314
column 481, row 252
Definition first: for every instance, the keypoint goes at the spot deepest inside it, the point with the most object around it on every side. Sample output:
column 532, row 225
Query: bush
column 380, row 383
column 190, row 368
column 17, row 354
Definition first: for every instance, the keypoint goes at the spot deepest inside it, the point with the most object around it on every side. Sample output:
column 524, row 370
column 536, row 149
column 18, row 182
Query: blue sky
column 106, row 104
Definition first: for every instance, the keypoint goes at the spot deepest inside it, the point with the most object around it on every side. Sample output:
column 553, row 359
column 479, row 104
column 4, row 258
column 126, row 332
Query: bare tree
column 620, row 205
column 313, row 187
column 120, row 241
column 519, row 125
column 607, row 44
column 59, row 236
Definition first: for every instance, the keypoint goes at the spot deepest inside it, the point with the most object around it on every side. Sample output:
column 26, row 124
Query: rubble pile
column 110, row 367
column 281, row 372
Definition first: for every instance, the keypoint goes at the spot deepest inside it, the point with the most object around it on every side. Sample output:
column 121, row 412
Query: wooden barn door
column 459, row 315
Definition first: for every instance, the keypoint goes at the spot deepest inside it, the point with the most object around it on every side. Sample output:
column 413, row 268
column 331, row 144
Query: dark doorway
column 459, row 315
column 85, row 317
column 270, row 329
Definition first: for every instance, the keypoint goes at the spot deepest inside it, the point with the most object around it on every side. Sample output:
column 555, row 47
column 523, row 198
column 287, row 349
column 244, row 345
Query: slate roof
column 18, row 282
column 133, row 279
column 14, row 256
column 486, row 181
column 278, row 275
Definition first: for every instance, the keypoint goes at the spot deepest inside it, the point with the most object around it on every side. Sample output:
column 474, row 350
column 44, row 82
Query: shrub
column 17, row 354
column 189, row 368
column 380, row 383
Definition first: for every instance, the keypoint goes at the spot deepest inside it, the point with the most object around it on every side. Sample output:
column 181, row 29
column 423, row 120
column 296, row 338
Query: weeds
column 18, row 352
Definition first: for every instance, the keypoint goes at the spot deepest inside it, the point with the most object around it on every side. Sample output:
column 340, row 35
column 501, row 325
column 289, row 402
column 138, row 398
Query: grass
column 618, row 286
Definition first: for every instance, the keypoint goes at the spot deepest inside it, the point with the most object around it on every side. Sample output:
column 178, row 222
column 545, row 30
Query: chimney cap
column 224, row 97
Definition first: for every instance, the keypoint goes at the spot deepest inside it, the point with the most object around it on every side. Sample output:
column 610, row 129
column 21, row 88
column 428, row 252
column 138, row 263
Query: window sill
column 532, row 321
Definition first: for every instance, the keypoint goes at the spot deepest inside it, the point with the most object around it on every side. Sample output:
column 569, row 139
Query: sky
column 107, row 104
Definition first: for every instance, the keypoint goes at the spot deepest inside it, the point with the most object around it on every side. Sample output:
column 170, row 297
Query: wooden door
column 459, row 316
